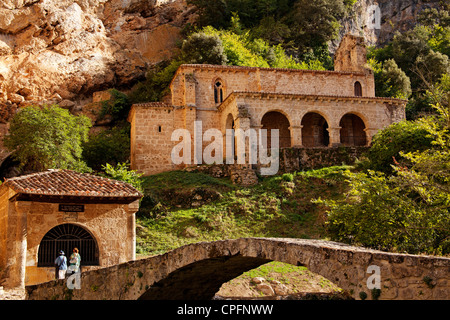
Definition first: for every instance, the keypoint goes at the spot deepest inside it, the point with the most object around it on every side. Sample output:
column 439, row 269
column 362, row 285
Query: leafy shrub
column 404, row 136
column 117, row 107
column 380, row 213
column 390, row 80
column 202, row 48
column 122, row 172
column 156, row 84
column 109, row 146
column 289, row 177
column 48, row 137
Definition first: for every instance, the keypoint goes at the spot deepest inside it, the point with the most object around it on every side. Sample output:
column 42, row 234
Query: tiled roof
column 70, row 183
column 268, row 95
column 245, row 68
column 238, row 68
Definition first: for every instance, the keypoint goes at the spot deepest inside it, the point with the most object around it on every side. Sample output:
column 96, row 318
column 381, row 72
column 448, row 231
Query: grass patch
column 185, row 207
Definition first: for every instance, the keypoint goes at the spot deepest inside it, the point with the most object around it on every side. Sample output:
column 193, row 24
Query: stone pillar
column 335, row 136
column 370, row 132
column 242, row 126
column 296, row 136
column 131, row 230
column 17, row 237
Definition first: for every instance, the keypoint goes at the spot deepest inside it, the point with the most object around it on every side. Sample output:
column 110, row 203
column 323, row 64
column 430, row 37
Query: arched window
column 66, row 237
column 358, row 89
column 218, row 91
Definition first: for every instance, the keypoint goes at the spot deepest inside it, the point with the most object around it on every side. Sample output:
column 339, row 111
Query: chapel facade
column 310, row 108
column 45, row 212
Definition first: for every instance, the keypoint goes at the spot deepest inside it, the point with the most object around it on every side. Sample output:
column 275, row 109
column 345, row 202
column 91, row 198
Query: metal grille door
column 66, row 237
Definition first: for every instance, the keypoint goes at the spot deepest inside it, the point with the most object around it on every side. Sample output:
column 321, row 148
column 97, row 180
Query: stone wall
column 193, row 84
column 152, row 126
column 108, row 223
column 298, row 159
column 197, row 271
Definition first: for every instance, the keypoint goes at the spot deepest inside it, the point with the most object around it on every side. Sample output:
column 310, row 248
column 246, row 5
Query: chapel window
column 358, row 89
column 218, row 92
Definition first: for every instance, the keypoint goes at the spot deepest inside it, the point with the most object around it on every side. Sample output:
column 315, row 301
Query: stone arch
column 8, row 167
column 358, row 89
column 352, row 131
column 67, row 236
column 211, row 264
column 277, row 120
column 229, row 122
column 315, row 130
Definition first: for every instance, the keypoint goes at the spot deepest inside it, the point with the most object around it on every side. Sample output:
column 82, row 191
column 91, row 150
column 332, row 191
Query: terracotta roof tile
column 70, row 183
column 229, row 67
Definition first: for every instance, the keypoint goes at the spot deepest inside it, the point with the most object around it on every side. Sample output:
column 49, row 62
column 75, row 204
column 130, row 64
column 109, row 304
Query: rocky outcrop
column 55, row 50
column 395, row 15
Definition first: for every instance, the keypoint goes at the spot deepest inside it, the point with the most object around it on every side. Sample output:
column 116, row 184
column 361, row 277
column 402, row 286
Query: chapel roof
column 68, row 183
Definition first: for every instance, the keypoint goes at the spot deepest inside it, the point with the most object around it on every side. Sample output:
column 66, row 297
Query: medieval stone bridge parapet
column 197, row 271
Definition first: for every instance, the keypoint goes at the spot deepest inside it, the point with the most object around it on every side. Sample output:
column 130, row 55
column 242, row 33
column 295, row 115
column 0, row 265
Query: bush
column 117, row 107
column 156, row 84
column 201, row 48
column 390, row 80
column 379, row 212
column 404, row 136
column 122, row 172
column 109, row 146
column 48, row 137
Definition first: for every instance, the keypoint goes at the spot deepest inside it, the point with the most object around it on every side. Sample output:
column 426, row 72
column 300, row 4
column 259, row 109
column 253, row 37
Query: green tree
column 212, row 13
column 156, row 84
column 117, row 106
column 203, row 48
column 48, row 137
column 313, row 23
column 390, row 80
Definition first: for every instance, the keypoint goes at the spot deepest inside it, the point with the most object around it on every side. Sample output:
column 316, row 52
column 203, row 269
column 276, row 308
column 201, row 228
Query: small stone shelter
column 310, row 108
column 43, row 213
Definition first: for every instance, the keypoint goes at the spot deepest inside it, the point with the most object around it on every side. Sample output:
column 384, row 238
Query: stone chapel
column 310, row 108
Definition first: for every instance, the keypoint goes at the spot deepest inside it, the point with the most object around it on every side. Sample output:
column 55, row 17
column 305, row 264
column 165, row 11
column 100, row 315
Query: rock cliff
column 60, row 51
column 394, row 15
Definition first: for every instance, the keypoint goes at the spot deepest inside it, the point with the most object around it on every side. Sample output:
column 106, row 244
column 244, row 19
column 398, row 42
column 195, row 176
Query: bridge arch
column 178, row 274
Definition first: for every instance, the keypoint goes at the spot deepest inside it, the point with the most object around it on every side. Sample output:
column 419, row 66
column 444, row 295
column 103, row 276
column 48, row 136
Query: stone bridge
column 197, row 271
